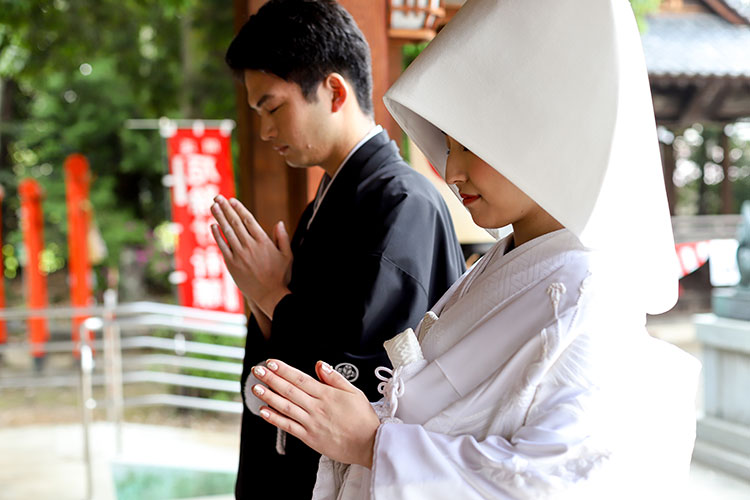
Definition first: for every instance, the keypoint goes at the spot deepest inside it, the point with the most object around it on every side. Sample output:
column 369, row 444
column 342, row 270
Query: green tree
column 72, row 72
column 700, row 177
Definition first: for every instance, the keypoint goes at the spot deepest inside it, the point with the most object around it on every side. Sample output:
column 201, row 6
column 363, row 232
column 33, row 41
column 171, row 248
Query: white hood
column 554, row 95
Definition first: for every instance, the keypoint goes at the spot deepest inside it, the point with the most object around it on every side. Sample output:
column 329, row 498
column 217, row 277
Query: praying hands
column 261, row 268
column 333, row 417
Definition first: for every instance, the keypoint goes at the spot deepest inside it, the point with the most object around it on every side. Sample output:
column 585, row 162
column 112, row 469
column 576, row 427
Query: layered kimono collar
column 554, row 95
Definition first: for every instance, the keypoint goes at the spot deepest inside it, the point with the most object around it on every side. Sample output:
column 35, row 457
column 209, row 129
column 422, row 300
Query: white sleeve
column 616, row 429
column 542, row 456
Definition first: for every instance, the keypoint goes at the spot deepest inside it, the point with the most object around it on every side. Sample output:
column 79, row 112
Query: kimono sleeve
column 543, row 456
column 363, row 304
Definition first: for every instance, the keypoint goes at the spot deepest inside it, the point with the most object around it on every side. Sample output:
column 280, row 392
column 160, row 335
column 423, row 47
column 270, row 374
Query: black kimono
column 379, row 252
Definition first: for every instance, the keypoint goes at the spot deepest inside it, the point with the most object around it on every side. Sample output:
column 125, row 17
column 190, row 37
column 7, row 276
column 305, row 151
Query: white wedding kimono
column 536, row 378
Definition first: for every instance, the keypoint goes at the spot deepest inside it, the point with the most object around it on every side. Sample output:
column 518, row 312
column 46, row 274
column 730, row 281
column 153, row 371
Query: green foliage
column 71, row 73
column 699, row 176
column 410, row 52
column 642, row 8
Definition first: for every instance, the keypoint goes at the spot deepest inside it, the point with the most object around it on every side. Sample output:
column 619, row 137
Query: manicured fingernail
column 258, row 389
column 265, row 413
column 326, row 367
column 272, row 365
column 259, row 371
column 233, row 201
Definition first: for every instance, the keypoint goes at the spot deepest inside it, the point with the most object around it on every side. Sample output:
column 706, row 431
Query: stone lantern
column 723, row 434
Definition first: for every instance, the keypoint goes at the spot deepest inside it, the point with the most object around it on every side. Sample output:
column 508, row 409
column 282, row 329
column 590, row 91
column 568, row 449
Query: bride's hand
column 333, row 417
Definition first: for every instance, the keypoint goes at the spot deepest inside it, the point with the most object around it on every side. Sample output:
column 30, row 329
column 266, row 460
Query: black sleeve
column 346, row 320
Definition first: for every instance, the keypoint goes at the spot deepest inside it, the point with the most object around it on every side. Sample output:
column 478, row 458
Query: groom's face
column 296, row 127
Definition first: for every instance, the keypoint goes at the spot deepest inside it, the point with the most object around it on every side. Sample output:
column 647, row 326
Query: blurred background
column 121, row 338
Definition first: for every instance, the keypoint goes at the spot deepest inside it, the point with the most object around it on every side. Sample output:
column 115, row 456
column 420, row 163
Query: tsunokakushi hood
column 554, row 95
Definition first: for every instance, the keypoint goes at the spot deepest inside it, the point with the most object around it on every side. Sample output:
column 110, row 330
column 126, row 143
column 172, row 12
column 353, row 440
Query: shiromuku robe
column 380, row 250
column 538, row 380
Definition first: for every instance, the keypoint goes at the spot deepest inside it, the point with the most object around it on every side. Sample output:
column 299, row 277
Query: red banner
column 691, row 256
column 200, row 165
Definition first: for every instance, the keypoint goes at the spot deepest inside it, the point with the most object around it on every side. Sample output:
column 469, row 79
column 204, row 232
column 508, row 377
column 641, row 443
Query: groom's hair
column 303, row 41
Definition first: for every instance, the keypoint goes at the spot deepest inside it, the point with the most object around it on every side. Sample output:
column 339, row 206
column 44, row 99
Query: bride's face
column 492, row 200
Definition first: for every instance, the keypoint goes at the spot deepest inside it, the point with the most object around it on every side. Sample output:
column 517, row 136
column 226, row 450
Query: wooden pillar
column 371, row 17
column 3, row 328
column 395, row 68
column 668, row 166
column 272, row 190
column 77, row 181
column 32, row 224
column 727, row 199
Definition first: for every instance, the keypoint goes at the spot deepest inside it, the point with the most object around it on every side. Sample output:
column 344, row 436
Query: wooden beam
column 420, row 35
column 735, row 104
column 726, row 12
column 727, row 199
column 436, row 11
column 668, row 166
column 702, row 103
column 667, row 104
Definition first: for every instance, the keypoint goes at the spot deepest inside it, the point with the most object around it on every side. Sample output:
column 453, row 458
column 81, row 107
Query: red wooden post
column 32, row 225
column 77, row 180
column 3, row 330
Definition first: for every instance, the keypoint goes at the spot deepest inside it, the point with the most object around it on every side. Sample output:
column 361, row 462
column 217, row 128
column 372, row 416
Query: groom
column 372, row 252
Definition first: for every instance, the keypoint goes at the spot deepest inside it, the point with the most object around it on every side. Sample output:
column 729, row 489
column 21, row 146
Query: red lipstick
column 469, row 198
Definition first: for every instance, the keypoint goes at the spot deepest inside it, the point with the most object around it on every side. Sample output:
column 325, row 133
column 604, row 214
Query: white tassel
column 280, row 442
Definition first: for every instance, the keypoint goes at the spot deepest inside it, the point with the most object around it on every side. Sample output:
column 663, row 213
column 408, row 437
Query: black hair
column 303, row 41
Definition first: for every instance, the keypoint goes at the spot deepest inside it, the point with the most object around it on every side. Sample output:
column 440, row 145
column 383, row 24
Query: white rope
column 391, row 388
